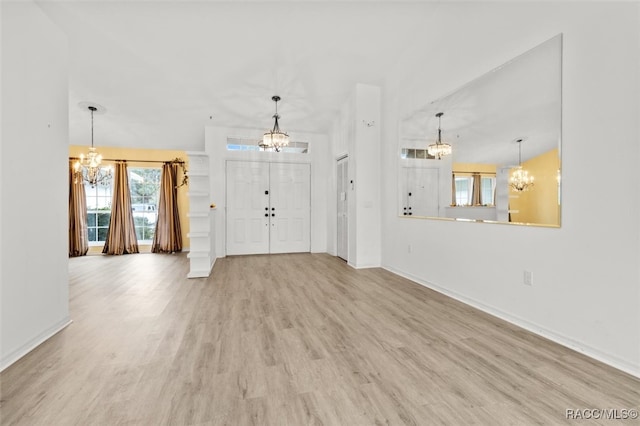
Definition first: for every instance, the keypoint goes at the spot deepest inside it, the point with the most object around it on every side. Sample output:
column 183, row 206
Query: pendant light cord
column 276, row 127
column 91, row 128
column 520, row 153
column 92, row 109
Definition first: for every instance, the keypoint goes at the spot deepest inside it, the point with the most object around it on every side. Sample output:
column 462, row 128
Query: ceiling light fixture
column 520, row 179
column 274, row 139
column 89, row 168
column 439, row 149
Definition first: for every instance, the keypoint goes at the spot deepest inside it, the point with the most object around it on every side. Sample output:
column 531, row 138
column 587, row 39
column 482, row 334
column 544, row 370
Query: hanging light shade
column 89, row 168
column 439, row 149
column 274, row 139
column 520, row 179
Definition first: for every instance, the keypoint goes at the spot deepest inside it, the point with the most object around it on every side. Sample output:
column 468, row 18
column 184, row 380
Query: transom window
column 417, row 153
column 243, row 144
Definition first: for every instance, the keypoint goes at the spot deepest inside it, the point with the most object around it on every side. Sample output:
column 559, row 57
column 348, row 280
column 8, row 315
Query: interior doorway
column 342, row 238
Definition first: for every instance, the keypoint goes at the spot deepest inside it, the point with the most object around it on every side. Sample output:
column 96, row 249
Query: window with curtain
column 144, row 184
column 488, row 190
column 464, row 185
column 98, row 211
column 464, row 190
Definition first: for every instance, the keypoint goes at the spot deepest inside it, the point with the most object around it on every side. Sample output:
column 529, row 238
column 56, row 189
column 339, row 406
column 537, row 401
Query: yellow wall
column 540, row 204
column 474, row 168
column 148, row 155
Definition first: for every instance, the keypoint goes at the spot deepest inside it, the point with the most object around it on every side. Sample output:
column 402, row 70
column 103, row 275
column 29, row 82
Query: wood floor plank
column 294, row 339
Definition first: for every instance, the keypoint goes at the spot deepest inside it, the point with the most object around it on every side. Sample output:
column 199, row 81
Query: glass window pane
column 136, row 201
column 463, row 190
column 139, row 219
column 92, row 234
column 103, row 219
column 102, row 234
column 488, row 185
column 103, row 203
column 91, row 202
column 91, row 219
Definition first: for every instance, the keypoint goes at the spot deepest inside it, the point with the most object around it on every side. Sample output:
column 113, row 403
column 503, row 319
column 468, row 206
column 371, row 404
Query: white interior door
column 422, row 191
column 290, row 209
column 268, row 207
column 342, row 238
column 247, row 207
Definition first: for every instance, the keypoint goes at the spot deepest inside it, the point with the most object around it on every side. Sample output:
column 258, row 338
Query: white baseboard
column 561, row 339
column 201, row 273
column 33, row 343
column 364, row 266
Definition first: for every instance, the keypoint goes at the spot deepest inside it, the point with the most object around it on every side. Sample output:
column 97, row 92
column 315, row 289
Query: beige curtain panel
column 121, row 235
column 477, row 198
column 78, row 230
column 453, row 189
column 168, row 235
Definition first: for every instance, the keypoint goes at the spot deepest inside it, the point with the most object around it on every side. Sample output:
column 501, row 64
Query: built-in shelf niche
column 202, row 251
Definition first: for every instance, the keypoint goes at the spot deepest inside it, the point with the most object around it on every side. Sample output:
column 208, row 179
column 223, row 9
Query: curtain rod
column 136, row 161
column 479, row 173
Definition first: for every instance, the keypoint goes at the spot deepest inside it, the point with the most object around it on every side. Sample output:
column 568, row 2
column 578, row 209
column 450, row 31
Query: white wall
column 586, row 279
column 356, row 132
column 216, row 147
column 34, row 205
column 342, row 143
column 367, row 177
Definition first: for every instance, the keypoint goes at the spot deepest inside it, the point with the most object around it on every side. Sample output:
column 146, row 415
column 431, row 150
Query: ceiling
column 165, row 70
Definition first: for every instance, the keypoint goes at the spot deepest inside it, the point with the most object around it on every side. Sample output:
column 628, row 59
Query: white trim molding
column 14, row 356
column 560, row 339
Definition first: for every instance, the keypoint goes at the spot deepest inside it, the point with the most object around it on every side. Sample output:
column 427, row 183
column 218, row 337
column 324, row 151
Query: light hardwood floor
column 297, row 339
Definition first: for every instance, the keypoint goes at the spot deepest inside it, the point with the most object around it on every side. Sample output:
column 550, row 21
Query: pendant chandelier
column 439, row 149
column 520, row 179
column 89, row 167
column 274, row 139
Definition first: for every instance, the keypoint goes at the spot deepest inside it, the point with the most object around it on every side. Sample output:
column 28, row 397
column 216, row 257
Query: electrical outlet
column 528, row 278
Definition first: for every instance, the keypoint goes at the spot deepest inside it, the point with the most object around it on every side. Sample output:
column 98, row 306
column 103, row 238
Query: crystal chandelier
column 89, row 167
column 274, row 139
column 520, row 179
column 439, row 149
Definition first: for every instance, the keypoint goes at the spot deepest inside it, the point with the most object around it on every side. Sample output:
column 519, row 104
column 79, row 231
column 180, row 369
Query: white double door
column 421, row 192
column 268, row 207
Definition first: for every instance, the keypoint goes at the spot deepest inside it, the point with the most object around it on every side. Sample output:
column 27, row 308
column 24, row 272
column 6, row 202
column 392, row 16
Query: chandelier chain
column 89, row 168
column 439, row 149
